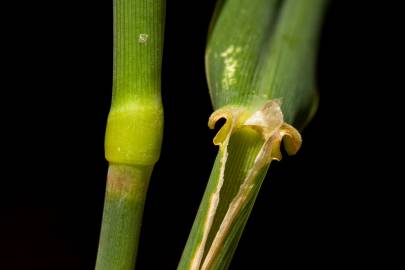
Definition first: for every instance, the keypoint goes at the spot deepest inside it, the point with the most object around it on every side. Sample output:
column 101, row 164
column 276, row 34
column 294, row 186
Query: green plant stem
column 244, row 146
column 123, row 208
column 134, row 127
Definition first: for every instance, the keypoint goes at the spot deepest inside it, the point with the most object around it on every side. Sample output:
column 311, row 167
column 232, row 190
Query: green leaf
column 260, row 62
column 236, row 43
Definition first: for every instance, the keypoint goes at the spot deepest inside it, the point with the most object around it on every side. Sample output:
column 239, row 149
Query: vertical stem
column 123, row 208
column 134, row 127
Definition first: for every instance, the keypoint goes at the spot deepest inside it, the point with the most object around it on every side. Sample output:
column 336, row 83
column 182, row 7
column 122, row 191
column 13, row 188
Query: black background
column 58, row 66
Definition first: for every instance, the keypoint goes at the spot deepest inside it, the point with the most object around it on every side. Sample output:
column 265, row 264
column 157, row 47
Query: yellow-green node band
column 134, row 135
